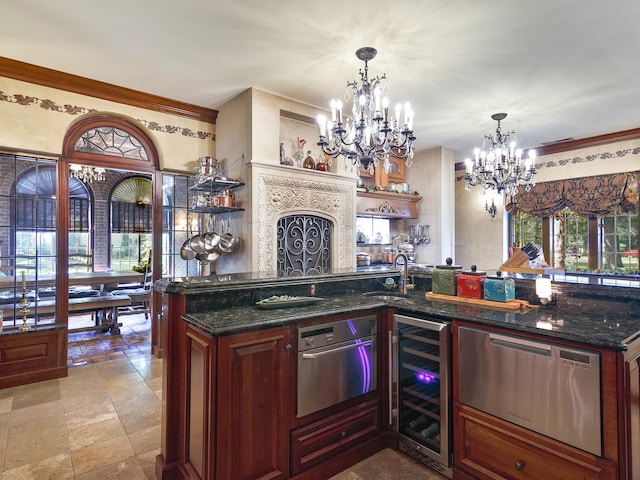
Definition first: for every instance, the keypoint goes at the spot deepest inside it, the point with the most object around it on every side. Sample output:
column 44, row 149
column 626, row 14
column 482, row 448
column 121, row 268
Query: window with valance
column 587, row 224
column 588, row 196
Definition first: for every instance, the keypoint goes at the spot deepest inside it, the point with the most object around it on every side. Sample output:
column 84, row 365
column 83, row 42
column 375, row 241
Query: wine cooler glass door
column 423, row 385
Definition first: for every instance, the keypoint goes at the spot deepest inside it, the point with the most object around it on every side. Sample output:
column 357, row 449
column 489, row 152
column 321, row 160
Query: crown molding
column 588, row 142
column 571, row 145
column 46, row 77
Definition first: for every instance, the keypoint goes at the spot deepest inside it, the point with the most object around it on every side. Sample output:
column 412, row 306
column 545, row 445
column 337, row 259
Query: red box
column 471, row 284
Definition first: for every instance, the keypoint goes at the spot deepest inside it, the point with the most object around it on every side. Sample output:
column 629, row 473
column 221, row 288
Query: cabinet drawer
column 491, row 449
column 319, row 441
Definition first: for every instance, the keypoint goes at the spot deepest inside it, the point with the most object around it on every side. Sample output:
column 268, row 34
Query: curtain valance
column 588, row 196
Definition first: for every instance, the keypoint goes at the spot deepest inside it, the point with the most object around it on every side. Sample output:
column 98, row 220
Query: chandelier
column 87, row 174
column 502, row 167
column 369, row 135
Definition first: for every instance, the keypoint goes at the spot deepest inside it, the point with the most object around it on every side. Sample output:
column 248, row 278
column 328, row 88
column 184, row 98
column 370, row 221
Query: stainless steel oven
column 336, row 362
column 420, row 386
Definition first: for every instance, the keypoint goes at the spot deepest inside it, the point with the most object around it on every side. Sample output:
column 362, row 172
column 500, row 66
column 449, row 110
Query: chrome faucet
column 404, row 277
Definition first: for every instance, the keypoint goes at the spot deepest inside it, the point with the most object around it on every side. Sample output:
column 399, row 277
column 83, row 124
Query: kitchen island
column 230, row 377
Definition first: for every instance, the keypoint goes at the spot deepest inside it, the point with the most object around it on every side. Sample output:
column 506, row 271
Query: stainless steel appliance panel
column 548, row 388
column 336, row 362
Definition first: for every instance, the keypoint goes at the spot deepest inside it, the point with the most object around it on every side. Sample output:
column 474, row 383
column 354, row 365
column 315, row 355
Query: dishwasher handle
column 523, row 345
column 338, row 349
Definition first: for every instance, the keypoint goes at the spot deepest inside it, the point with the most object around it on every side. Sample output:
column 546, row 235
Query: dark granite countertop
column 609, row 331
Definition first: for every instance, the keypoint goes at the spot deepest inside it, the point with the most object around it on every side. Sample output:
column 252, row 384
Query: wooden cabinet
column 33, row 356
column 486, row 447
column 322, row 440
column 490, row 448
column 199, row 453
column 380, row 178
column 253, row 405
column 236, row 405
column 387, row 204
column 630, row 414
column 229, row 413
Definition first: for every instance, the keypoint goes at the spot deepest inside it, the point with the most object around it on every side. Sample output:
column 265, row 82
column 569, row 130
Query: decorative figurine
column 300, row 152
column 309, row 162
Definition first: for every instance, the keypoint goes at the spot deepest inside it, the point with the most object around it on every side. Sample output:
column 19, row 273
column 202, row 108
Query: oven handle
column 339, row 349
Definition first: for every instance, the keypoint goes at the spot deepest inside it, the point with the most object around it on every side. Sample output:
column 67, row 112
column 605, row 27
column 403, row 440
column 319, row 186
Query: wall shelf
column 216, row 210
column 216, row 185
column 387, row 204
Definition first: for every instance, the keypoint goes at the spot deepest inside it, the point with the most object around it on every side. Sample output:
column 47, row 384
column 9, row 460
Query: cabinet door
column 396, row 170
column 253, row 405
column 200, row 403
column 630, row 424
column 323, row 440
column 489, row 448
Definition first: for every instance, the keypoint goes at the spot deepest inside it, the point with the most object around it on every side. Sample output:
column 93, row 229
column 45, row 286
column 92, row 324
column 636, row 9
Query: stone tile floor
column 102, row 422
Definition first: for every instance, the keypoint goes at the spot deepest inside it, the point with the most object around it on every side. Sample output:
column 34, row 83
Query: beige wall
column 34, row 118
column 250, row 128
column 431, row 176
column 479, row 238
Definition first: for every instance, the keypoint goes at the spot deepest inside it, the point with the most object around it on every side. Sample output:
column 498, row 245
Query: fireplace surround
column 283, row 191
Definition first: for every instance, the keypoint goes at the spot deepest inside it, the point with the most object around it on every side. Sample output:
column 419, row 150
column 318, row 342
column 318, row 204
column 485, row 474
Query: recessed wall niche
column 294, row 126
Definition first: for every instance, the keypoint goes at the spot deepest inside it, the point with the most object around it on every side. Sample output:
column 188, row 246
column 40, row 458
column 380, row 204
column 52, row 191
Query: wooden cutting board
column 510, row 305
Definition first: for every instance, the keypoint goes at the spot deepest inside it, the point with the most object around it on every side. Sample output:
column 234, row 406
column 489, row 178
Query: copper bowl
column 223, row 201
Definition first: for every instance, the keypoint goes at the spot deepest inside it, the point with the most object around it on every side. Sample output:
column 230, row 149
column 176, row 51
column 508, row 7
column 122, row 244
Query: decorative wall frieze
column 578, row 160
column 588, row 158
column 50, row 105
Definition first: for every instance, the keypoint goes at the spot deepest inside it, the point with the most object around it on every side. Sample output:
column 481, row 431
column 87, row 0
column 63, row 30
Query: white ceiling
column 559, row 68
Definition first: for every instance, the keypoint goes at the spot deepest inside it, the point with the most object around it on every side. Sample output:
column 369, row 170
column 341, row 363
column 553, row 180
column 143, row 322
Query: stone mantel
column 280, row 190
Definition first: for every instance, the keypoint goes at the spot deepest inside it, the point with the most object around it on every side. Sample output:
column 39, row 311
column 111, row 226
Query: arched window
column 113, row 141
column 34, row 214
column 131, row 223
column 113, row 148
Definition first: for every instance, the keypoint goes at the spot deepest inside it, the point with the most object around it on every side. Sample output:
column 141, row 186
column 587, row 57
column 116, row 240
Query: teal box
column 499, row 289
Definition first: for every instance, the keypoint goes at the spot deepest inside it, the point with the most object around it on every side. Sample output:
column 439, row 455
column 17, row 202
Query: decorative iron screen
column 304, row 245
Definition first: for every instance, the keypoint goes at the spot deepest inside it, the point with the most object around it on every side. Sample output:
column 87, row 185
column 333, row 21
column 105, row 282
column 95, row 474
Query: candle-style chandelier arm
column 502, row 167
column 370, row 134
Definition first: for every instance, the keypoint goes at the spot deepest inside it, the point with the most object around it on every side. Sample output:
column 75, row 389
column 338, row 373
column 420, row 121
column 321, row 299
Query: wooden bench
column 108, row 305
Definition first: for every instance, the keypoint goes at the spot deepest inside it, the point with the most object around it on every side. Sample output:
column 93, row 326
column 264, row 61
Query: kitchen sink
column 396, row 298
column 383, row 293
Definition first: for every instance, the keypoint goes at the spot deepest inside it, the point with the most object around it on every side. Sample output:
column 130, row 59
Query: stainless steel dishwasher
column 546, row 387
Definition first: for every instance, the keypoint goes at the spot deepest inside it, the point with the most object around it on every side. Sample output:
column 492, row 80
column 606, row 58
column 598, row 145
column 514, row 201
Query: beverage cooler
column 420, row 400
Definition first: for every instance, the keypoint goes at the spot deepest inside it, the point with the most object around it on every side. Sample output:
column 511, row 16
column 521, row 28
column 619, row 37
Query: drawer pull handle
column 343, row 434
column 519, row 466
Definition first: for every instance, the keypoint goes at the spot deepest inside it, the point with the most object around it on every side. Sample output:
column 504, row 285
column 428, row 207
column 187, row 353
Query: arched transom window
column 111, row 141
